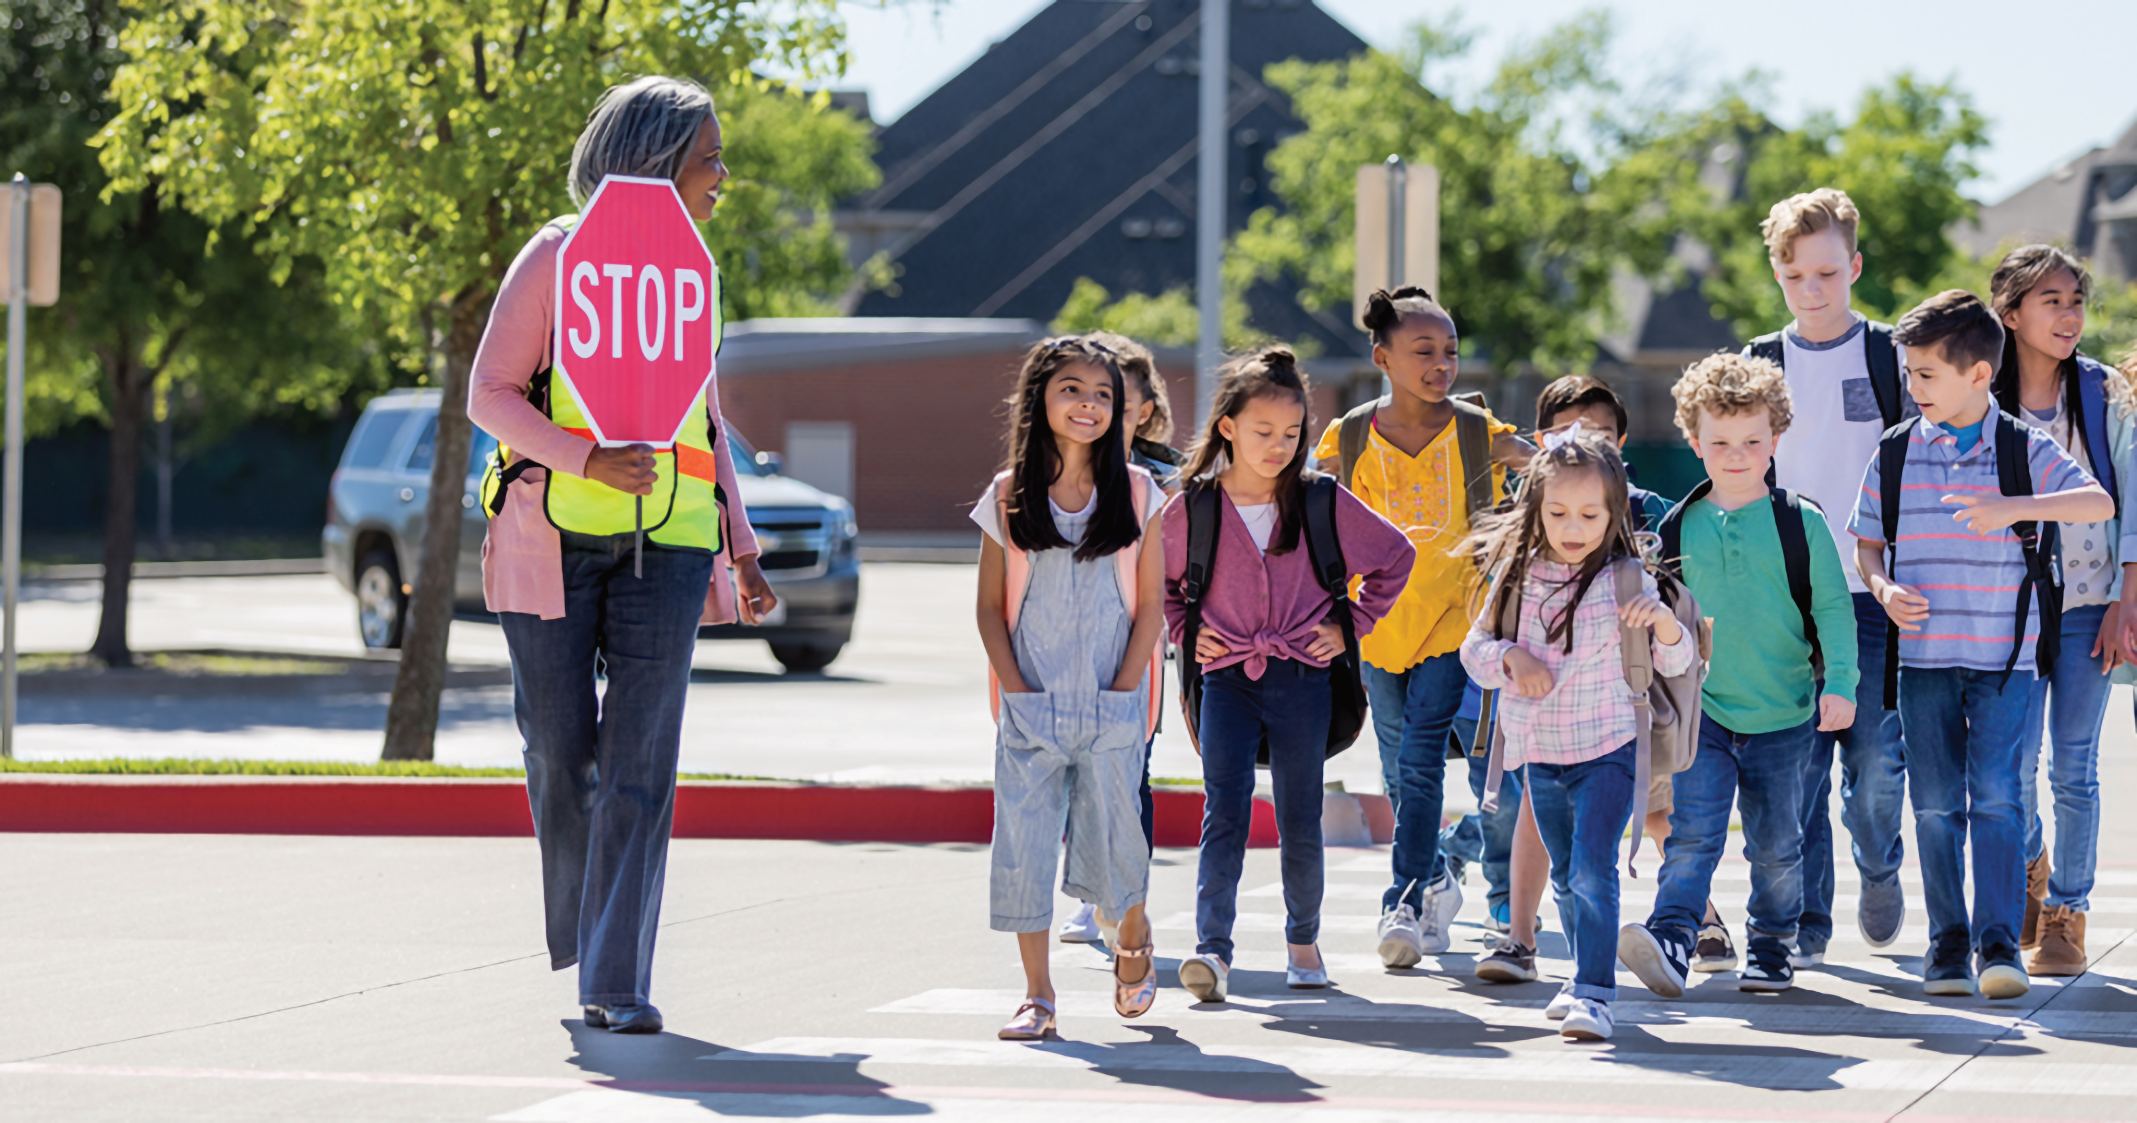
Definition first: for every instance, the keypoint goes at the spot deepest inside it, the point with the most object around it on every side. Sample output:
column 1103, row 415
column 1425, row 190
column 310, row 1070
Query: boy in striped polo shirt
column 1966, row 661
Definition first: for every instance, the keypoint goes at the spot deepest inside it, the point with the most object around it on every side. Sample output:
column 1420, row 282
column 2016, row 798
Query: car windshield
column 746, row 462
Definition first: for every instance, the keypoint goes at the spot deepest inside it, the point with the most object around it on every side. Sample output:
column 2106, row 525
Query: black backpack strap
column 1881, row 354
column 2036, row 543
column 1768, row 347
column 1671, row 529
column 1891, row 472
column 1472, row 441
column 1205, row 514
column 1352, row 433
column 1322, row 545
column 1796, row 559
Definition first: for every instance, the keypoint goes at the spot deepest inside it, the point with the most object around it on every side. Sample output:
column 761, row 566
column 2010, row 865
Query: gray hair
column 642, row 128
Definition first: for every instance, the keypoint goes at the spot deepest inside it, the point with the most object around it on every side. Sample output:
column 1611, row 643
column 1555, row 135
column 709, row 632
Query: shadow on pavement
column 675, row 1066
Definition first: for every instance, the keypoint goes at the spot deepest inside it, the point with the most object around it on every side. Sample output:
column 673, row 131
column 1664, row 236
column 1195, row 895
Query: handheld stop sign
column 636, row 320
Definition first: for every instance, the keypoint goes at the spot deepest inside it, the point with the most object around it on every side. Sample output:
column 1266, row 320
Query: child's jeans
column 1067, row 762
column 1964, row 728
column 1581, row 811
column 1480, row 839
column 1412, row 711
column 1290, row 705
column 1762, row 773
column 1873, row 784
column 2073, row 702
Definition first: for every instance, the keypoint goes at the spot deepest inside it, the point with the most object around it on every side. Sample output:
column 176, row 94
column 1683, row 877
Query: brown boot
column 2029, row 933
column 2062, row 950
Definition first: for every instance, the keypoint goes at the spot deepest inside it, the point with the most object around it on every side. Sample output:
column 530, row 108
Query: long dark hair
column 1035, row 457
column 1506, row 544
column 2016, row 276
column 1272, row 372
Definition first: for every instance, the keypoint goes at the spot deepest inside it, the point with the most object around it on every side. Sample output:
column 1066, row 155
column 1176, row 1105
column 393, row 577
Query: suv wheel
column 801, row 658
column 380, row 605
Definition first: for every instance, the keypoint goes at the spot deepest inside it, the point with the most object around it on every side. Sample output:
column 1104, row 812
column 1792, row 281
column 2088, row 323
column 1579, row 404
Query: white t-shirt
column 1261, row 523
column 2087, row 572
column 987, row 514
column 1833, row 437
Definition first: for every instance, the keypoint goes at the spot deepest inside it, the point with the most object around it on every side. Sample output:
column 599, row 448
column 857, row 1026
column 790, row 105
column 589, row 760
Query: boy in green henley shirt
column 1763, row 701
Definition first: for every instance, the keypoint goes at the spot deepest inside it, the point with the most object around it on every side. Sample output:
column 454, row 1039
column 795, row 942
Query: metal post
column 18, row 294
column 1398, row 205
column 1213, row 167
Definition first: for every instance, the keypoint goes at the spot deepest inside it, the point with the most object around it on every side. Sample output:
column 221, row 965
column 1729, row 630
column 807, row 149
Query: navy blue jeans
column 2071, row 702
column 1412, row 711
column 1763, row 774
column 1289, row 705
column 1964, row 730
column 1486, row 840
column 601, row 763
column 1873, row 785
column 1581, row 811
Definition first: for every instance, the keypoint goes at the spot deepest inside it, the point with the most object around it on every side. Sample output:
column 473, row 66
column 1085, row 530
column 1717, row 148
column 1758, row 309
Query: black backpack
column 2036, row 542
column 1880, row 353
column 1205, row 511
column 1795, row 553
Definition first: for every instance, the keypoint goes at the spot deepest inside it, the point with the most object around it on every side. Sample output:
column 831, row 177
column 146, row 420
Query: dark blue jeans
column 601, row 763
column 1412, row 711
column 1486, row 840
column 1763, row 774
column 1964, row 729
column 1289, row 705
column 2071, row 702
column 1873, row 784
column 1581, row 811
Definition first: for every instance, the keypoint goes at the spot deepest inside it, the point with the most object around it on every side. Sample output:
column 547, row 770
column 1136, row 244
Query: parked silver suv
column 374, row 535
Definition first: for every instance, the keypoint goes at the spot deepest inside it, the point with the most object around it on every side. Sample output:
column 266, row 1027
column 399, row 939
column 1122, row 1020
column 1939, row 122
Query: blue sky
column 2051, row 84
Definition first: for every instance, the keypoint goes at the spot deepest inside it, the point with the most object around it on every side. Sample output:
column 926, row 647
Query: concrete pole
column 1213, row 187
column 18, row 295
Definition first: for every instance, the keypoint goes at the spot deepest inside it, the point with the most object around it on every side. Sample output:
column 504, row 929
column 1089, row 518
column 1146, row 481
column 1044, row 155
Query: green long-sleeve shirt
column 1760, row 680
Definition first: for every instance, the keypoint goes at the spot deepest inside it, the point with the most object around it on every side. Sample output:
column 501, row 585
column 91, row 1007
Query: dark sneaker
column 1508, row 962
column 1880, row 911
column 2001, row 976
column 1946, row 972
column 632, row 1019
column 1660, row 960
column 1714, row 952
column 1808, row 952
column 1766, row 969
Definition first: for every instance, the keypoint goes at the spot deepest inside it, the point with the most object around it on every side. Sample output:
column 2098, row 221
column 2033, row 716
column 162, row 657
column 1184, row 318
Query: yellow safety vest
column 684, row 509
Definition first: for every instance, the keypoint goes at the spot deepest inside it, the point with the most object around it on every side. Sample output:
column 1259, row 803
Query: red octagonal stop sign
column 635, row 317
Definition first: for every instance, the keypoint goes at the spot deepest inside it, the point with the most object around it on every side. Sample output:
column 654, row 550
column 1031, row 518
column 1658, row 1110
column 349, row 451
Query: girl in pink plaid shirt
column 1564, row 707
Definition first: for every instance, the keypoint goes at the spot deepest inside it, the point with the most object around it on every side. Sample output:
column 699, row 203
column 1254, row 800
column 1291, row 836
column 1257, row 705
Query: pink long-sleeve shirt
column 522, row 555
column 1266, row 606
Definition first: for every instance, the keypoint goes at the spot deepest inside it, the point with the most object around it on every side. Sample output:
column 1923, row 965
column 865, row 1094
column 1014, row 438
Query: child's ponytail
column 1384, row 309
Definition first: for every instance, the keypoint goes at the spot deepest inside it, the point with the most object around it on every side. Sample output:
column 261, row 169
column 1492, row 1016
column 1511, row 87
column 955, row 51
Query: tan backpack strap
column 1352, row 435
column 1639, row 659
column 1506, row 625
column 1472, row 442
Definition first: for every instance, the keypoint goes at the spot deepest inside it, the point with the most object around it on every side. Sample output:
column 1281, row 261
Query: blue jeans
column 1873, row 784
column 1581, row 811
column 1412, row 711
column 2073, row 722
column 1289, row 706
column 601, row 764
column 1481, row 839
column 1964, row 729
column 1763, row 774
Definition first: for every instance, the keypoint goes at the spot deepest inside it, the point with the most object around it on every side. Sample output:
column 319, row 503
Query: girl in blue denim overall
column 1070, row 610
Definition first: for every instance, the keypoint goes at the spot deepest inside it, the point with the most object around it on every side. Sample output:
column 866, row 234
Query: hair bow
column 1552, row 441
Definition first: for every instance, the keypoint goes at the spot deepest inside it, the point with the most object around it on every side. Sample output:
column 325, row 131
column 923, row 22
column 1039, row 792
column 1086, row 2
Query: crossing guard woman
column 601, row 769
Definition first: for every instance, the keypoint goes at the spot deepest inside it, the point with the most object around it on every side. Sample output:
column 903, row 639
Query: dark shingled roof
column 1069, row 150
column 2088, row 204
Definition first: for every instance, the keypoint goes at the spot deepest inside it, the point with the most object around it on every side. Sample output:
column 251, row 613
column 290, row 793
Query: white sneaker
column 1081, row 927
column 1562, row 1004
column 1402, row 941
column 1204, row 977
column 1589, row 1020
column 1443, row 901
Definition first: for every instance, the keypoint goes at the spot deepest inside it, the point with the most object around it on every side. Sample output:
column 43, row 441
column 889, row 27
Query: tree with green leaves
column 143, row 304
column 414, row 145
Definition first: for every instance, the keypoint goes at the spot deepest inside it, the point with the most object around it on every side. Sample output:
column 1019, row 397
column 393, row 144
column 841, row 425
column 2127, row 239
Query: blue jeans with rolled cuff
column 2070, row 703
column 1412, row 712
column 1873, row 784
column 1581, row 811
column 1485, row 840
column 601, row 761
column 1964, row 731
column 1762, row 773
column 1290, row 705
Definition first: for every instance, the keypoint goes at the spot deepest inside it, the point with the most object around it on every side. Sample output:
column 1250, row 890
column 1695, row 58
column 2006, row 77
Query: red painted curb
column 349, row 805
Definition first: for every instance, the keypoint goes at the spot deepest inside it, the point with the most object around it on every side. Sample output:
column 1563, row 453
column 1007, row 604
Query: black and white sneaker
column 1714, row 952
column 1509, row 962
column 1660, row 960
column 1766, row 969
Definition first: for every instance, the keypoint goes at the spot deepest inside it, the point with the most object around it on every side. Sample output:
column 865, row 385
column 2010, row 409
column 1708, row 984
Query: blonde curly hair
column 1727, row 384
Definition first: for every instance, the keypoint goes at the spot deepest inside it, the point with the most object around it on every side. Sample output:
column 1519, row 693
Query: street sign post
column 29, row 265
column 635, row 323
column 1398, row 231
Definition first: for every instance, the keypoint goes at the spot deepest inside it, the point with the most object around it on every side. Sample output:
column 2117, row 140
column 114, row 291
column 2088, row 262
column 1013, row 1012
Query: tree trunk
column 130, row 383
column 412, row 718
